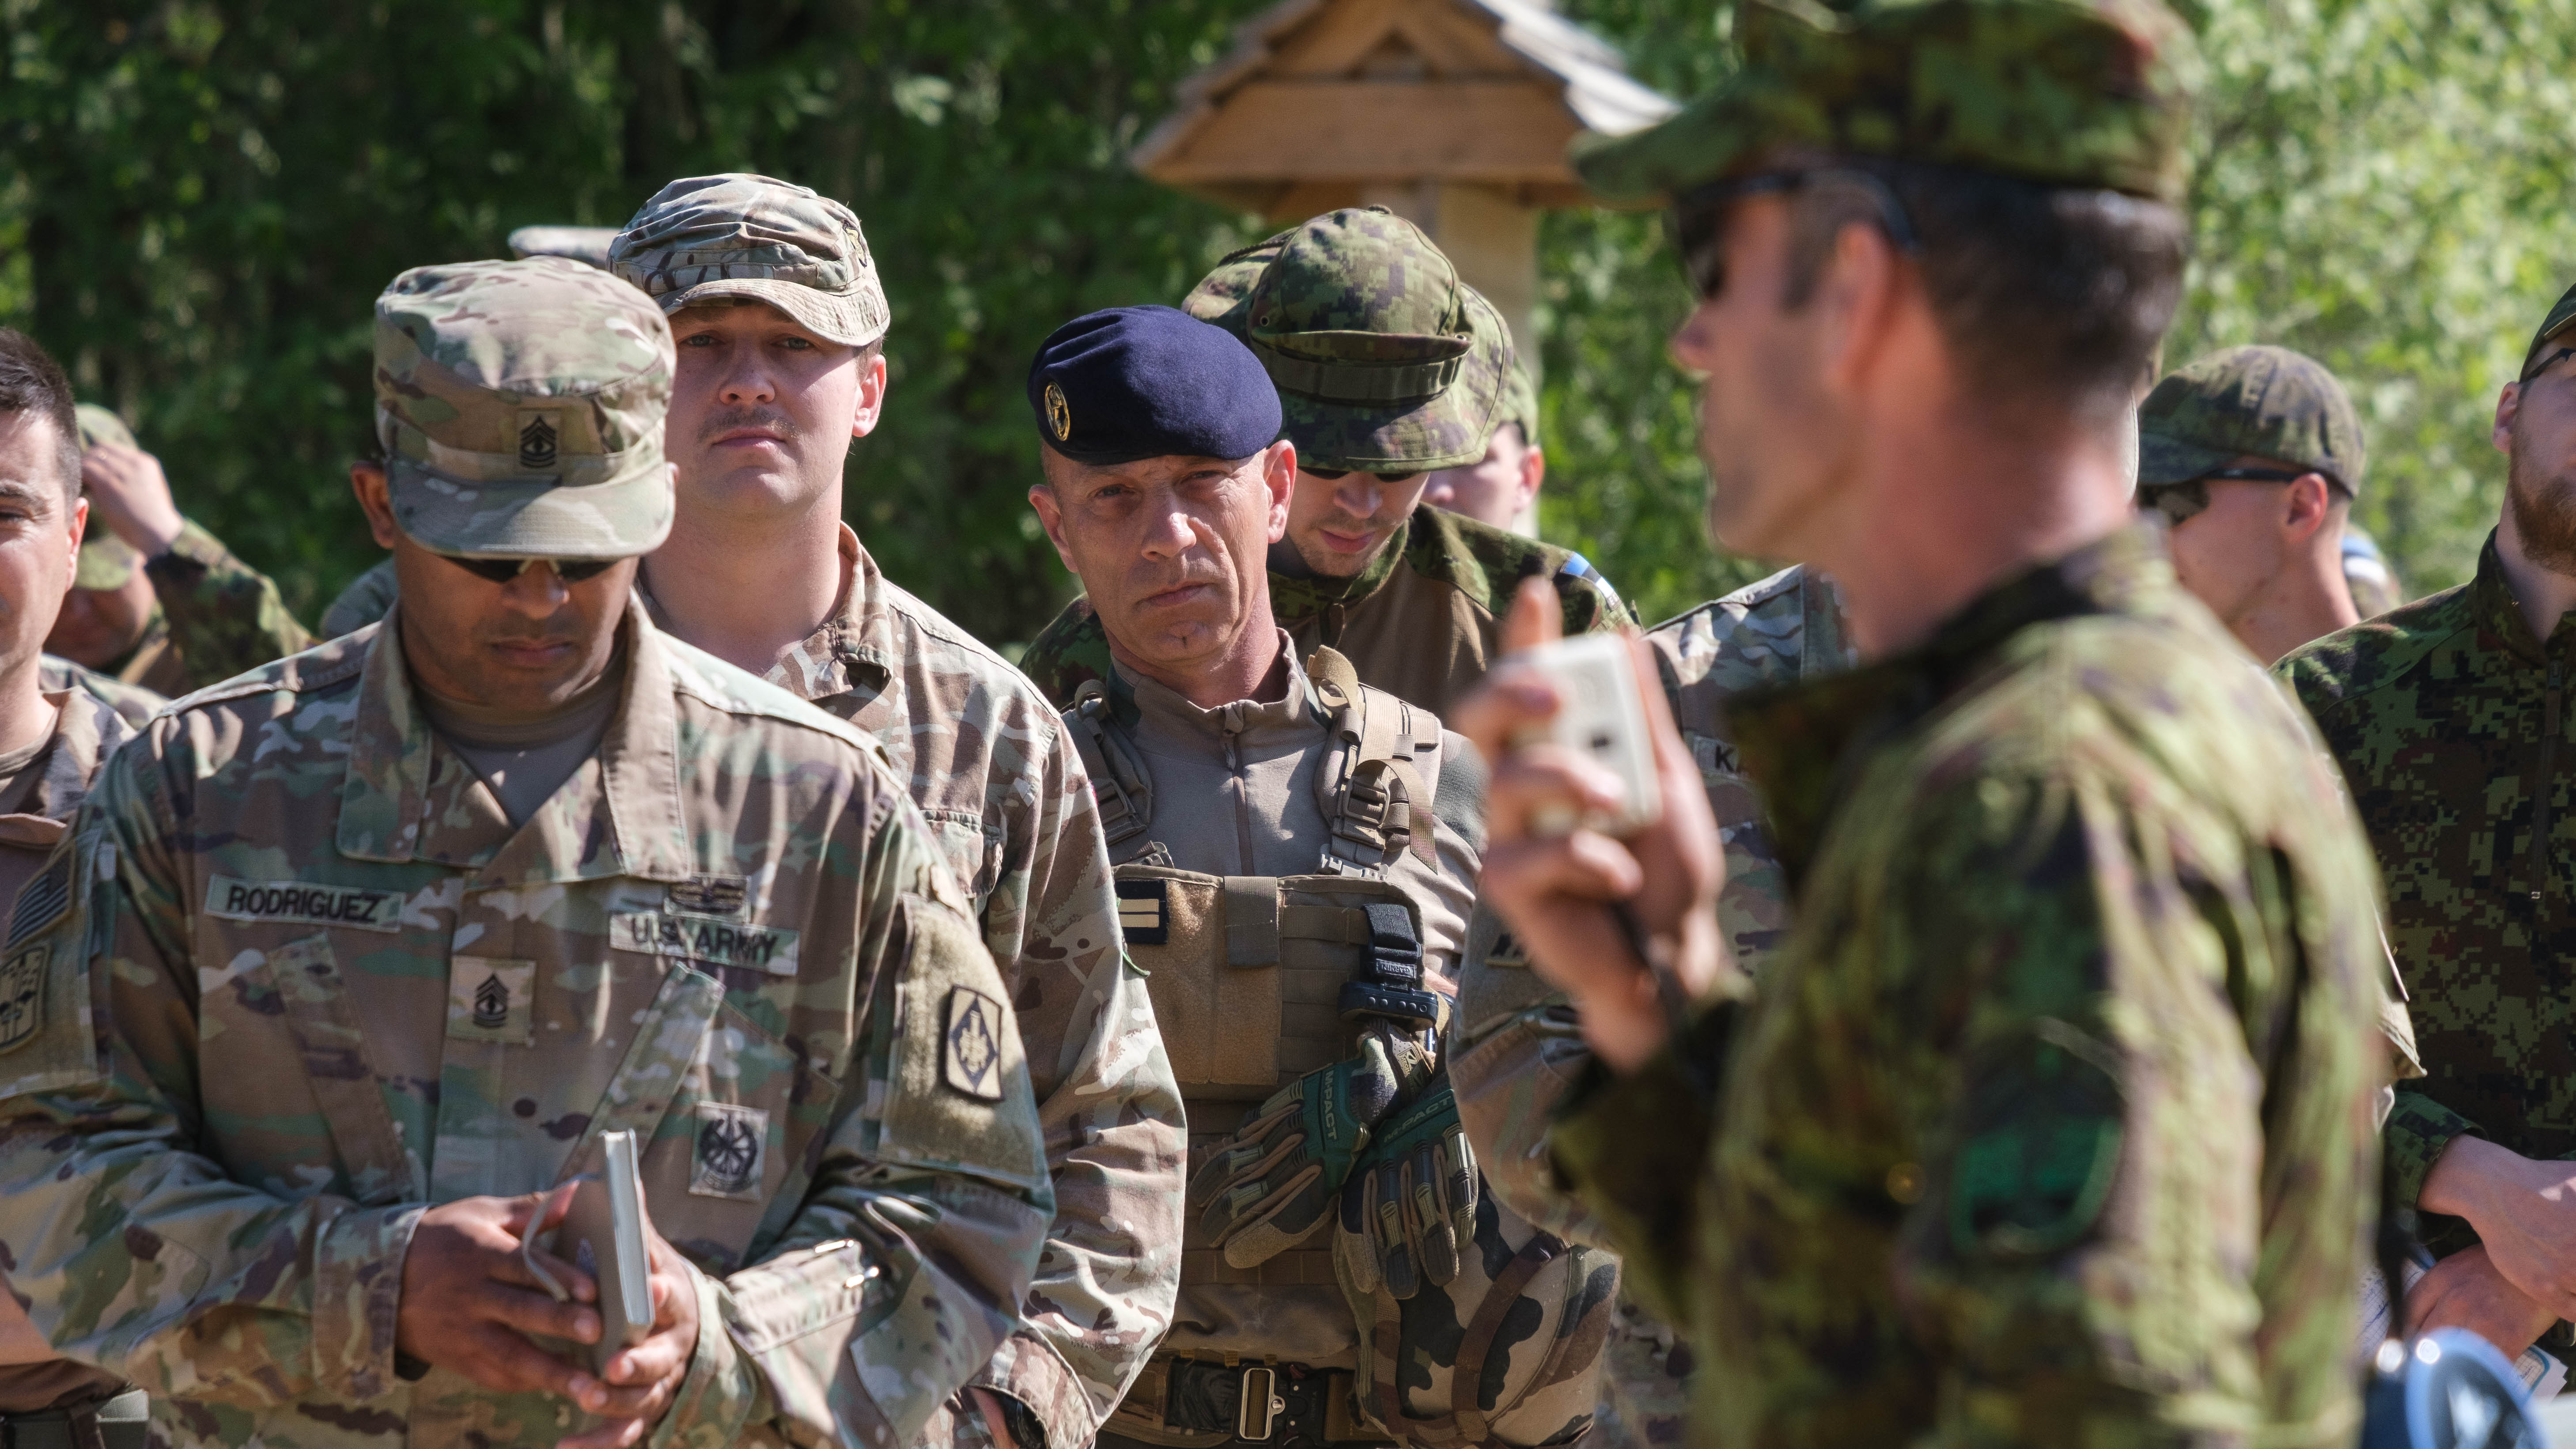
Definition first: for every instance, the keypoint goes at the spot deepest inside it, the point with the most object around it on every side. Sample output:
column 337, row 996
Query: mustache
column 1201, row 571
column 727, row 419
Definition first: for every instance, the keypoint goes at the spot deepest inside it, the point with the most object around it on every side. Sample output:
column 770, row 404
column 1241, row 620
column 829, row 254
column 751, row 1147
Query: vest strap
column 1120, row 787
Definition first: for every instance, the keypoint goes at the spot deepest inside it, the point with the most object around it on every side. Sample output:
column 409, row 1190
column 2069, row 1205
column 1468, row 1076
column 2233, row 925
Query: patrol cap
column 2080, row 93
column 1150, row 382
column 587, row 245
column 1384, row 360
column 2556, row 327
column 702, row 238
column 2263, row 402
column 520, row 406
column 106, row 561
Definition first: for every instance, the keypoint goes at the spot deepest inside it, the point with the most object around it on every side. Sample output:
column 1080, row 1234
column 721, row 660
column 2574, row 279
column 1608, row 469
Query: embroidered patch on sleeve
column 22, row 995
column 732, row 1148
column 492, row 1000
column 43, row 900
column 970, row 1052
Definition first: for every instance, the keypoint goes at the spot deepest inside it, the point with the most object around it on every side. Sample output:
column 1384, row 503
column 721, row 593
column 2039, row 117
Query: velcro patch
column 1141, row 912
column 970, row 1050
column 704, row 938
column 732, row 1146
column 492, row 1000
column 22, row 995
column 43, row 900
column 303, row 903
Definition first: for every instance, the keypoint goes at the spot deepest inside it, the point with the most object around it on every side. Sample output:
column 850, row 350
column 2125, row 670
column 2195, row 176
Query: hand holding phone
column 1601, row 718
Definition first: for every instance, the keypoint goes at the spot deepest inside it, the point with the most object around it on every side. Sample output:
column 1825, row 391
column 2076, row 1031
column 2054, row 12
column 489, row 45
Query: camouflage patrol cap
column 520, row 405
column 2556, row 327
column 106, row 561
column 2262, row 402
column 2082, row 93
column 98, row 425
column 1384, row 360
column 737, row 235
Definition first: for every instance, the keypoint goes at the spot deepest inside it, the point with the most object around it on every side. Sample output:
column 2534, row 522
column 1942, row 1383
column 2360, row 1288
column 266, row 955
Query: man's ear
column 2307, row 503
column 79, row 530
column 375, row 495
column 1533, row 475
column 1279, row 475
column 2508, row 403
column 1051, row 518
column 1856, row 302
column 872, row 395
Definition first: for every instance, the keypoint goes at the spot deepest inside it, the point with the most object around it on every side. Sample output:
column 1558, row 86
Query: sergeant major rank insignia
column 970, row 1046
column 539, row 435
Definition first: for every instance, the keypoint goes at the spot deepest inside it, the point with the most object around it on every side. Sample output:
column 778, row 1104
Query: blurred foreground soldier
column 780, row 323
column 2253, row 455
column 2049, row 1124
column 1388, row 368
column 346, row 962
column 1501, row 488
column 160, row 602
column 1519, row 1043
column 2450, row 718
column 1288, row 879
column 52, row 741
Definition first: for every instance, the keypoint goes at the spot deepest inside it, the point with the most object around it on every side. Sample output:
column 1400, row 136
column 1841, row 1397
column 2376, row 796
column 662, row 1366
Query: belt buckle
column 1259, row 1395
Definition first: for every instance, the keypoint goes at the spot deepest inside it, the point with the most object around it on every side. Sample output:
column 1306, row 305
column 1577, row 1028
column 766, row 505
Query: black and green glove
column 1273, row 1183
column 1409, row 1209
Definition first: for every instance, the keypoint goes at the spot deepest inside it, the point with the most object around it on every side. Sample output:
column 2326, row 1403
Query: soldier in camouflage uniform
column 2049, row 1123
column 1387, row 367
column 2449, row 717
column 1288, row 877
column 160, row 603
column 366, row 598
column 345, row 963
column 1500, row 488
column 762, row 570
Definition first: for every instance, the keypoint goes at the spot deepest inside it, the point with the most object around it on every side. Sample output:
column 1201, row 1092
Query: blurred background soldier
column 1379, row 385
column 780, row 325
column 346, row 963
column 52, row 741
column 1991, row 1156
column 1288, row 879
column 2376, row 589
column 2253, row 456
column 160, row 602
column 1501, row 488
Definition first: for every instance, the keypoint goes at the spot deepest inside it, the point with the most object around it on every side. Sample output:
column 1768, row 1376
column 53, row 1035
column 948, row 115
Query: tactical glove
column 1273, row 1182
column 1410, row 1207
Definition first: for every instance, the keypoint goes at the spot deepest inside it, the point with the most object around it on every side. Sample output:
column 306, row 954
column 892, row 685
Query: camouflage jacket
column 292, row 977
column 1518, row 1044
column 213, row 617
column 2050, row 1123
column 363, row 602
column 1011, row 809
column 2442, row 714
column 133, row 701
column 1422, row 621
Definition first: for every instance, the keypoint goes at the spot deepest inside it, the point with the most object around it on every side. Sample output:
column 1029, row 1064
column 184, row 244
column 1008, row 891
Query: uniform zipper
column 2548, row 775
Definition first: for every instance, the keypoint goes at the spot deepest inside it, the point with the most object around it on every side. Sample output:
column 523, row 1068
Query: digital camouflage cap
column 2556, row 327
column 1520, row 403
column 737, row 235
column 1384, row 360
column 2087, row 93
column 520, row 405
column 2262, row 402
column 106, row 561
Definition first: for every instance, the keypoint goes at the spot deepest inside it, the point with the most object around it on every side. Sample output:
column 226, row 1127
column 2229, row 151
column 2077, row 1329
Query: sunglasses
column 2546, row 363
column 1698, row 218
column 1336, row 475
column 502, row 570
column 2178, row 501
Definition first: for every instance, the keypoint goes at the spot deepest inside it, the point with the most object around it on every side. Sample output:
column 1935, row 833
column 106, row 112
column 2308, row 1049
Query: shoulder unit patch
column 970, row 1051
column 22, row 996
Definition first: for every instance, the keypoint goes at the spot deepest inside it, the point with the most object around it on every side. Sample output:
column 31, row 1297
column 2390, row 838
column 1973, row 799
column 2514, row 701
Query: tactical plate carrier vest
column 1254, row 981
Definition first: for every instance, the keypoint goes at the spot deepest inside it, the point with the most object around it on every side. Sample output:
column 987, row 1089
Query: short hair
column 2047, row 294
column 32, row 382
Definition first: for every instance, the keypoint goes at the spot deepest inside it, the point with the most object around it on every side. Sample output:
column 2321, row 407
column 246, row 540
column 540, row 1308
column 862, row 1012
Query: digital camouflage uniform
column 293, row 977
column 213, row 616
column 1385, row 362
column 2049, row 1122
column 1519, row 1046
column 1006, row 799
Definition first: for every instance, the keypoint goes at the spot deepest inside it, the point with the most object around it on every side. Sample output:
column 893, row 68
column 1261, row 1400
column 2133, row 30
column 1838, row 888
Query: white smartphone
column 1602, row 719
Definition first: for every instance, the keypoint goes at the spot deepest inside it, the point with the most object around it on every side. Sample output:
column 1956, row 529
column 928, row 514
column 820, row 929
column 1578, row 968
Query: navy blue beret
column 1150, row 382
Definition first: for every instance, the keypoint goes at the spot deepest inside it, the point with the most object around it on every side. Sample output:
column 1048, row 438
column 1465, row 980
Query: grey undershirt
column 18, row 775
column 523, row 759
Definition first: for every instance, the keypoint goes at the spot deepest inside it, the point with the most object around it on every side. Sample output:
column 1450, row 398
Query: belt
column 118, row 1423
column 1241, row 1406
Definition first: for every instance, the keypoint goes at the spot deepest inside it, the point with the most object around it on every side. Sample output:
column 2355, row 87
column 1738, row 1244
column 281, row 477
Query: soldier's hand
column 1557, row 888
column 129, row 494
column 644, row 1379
column 2524, row 1211
column 469, row 1303
column 2465, row 1290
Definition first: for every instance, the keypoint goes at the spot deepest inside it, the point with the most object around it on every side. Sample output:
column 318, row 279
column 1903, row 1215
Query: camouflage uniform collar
column 854, row 651
column 2499, row 613
column 1295, row 600
column 384, row 801
column 87, row 730
column 1802, row 744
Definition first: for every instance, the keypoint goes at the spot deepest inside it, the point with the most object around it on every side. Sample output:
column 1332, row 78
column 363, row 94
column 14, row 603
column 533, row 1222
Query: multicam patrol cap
column 2558, row 327
column 1385, row 361
column 520, row 405
column 2087, row 93
column 106, row 561
column 2262, row 402
column 738, row 235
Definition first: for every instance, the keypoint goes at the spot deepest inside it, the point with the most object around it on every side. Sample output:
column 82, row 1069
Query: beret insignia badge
column 1059, row 414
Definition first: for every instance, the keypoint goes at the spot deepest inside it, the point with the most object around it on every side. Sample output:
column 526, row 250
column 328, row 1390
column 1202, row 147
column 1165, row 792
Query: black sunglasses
column 1336, row 475
column 2546, row 363
column 2178, row 501
column 1698, row 217
column 502, row 570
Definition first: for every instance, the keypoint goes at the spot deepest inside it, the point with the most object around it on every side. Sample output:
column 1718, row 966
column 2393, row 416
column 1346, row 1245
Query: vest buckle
column 1257, row 1409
